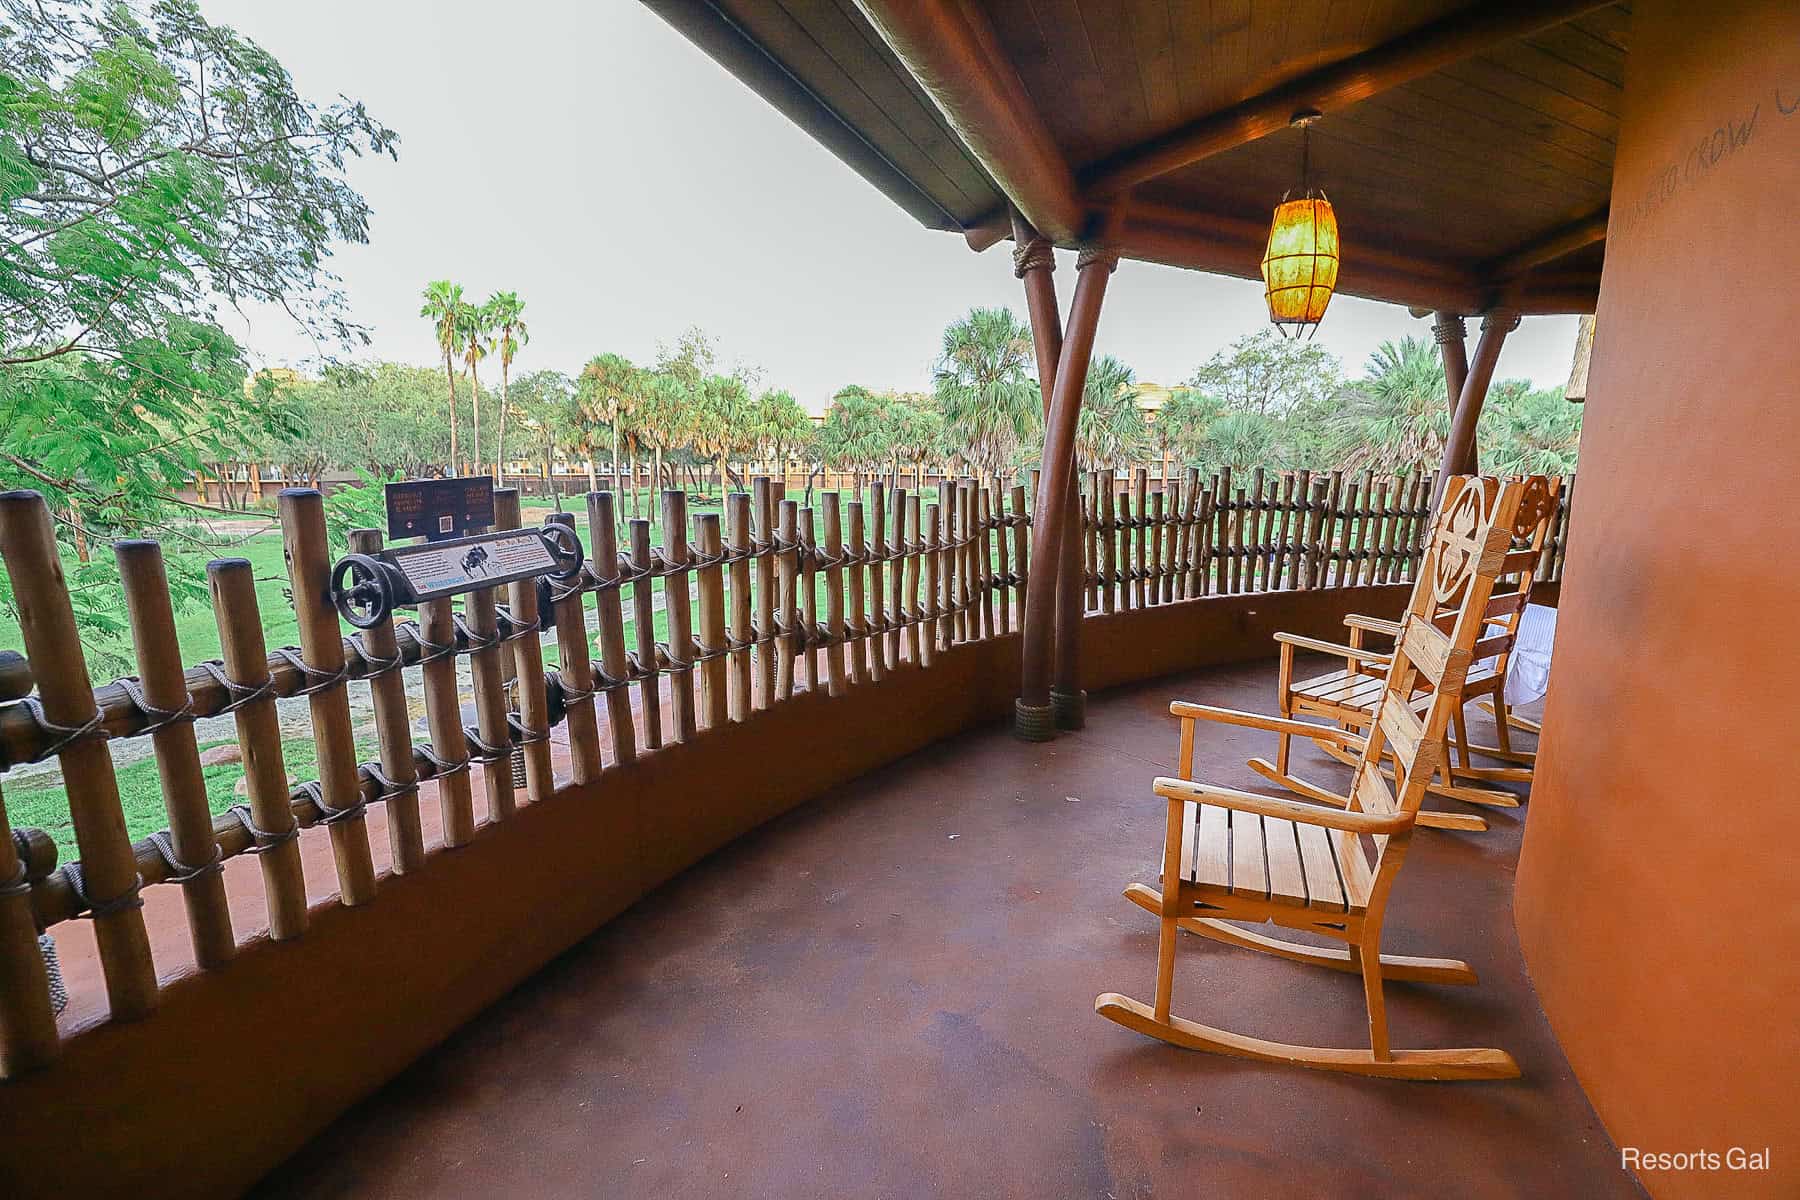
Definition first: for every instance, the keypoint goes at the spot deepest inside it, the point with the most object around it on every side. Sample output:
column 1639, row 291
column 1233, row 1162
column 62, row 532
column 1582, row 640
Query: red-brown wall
column 1658, row 897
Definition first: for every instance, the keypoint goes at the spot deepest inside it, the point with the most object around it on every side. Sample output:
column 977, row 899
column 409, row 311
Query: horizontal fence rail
column 763, row 599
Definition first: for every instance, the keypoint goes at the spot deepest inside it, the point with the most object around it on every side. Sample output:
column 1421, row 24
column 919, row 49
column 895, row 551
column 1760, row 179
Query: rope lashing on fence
column 87, row 906
column 62, row 736
column 260, row 839
column 386, row 788
column 155, row 718
column 314, row 791
column 239, row 694
column 180, row 872
column 316, row 680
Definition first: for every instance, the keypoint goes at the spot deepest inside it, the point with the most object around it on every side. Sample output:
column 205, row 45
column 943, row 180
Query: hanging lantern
column 1300, row 267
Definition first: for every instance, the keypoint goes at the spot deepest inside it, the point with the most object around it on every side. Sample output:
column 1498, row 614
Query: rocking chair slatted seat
column 1231, row 856
column 1347, row 696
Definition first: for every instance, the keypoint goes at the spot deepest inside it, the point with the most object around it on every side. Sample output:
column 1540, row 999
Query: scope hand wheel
column 362, row 591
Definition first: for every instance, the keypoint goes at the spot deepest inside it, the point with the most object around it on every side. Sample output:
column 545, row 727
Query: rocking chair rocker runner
column 1236, row 856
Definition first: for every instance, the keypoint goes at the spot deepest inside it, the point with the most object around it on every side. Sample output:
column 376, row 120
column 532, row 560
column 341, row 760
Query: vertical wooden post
column 737, row 515
column 1003, row 578
column 875, row 549
column 834, row 594
column 603, row 531
column 787, row 643
column 714, row 699
column 1090, row 525
column 302, row 512
column 807, row 596
column 643, row 620
column 949, row 626
column 860, row 664
column 929, row 636
column 981, row 549
column 1451, row 334
column 575, row 666
column 443, row 716
column 678, row 606
column 163, row 686
column 1021, row 533
column 245, row 663
column 1459, row 447
column 762, row 496
column 28, row 1038
column 1172, row 530
column 53, row 646
column 528, row 664
column 393, row 729
column 905, row 582
column 489, row 679
column 1109, row 543
column 1156, row 548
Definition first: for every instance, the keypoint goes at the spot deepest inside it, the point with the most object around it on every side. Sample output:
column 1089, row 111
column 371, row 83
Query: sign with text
column 446, row 568
column 440, row 508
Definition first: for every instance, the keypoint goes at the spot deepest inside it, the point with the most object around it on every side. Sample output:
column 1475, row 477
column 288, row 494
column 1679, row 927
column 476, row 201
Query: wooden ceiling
column 1483, row 177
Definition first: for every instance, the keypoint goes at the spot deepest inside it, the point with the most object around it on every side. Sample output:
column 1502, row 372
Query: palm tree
column 1242, row 441
column 607, row 384
column 857, row 433
column 783, row 427
column 1527, row 432
column 444, row 306
column 1183, row 423
column 476, row 336
column 1394, row 419
column 917, row 434
column 1110, row 427
column 983, row 386
column 505, row 314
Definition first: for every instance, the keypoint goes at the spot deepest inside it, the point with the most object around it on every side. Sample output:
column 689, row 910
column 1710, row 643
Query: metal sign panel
column 446, row 568
column 440, row 508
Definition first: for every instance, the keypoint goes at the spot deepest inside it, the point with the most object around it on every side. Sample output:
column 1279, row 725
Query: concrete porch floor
column 890, row 992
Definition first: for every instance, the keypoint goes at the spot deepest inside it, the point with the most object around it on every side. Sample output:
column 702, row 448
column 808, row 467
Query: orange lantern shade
column 1300, row 267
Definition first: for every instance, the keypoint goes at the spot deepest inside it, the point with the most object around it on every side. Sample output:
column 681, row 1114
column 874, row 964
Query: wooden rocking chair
column 1236, row 856
column 1347, row 696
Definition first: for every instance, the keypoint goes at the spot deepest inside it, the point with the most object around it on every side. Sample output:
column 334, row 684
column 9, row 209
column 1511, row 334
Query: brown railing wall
column 790, row 599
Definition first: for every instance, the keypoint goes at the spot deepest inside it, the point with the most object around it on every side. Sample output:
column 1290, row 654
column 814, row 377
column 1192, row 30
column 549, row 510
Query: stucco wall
column 1658, row 897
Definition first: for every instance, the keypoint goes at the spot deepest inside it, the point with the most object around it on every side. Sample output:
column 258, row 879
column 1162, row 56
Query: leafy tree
column 720, row 422
column 1184, row 422
column 151, row 167
column 984, row 388
column 550, row 416
column 1110, row 428
column 1529, row 432
column 857, row 433
column 918, row 434
column 1268, row 374
column 443, row 306
column 1242, row 441
column 505, row 314
column 1395, row 419
column 783, row 427
column 606, row 389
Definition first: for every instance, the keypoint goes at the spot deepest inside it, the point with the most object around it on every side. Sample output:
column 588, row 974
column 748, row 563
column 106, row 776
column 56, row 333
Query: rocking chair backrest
column 1468, row 549
column 1530, row 535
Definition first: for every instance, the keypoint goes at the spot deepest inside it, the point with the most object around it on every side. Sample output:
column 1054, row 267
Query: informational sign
column 440, row 508
column 445, row 568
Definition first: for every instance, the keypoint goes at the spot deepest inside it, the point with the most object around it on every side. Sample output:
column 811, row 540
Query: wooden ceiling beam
column 1463, row 34
column 950, row 50
column 1547, row 248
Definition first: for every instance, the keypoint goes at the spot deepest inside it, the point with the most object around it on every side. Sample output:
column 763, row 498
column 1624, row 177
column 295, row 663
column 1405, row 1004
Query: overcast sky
column 589, row 157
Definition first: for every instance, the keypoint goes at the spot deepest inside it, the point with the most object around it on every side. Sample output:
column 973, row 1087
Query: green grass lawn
column 44, row 804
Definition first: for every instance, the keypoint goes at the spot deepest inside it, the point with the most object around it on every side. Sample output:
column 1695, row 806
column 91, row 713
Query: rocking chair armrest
column 1236, row 716
column 1373, row 625
column 1287, row 810
column 1361, row 654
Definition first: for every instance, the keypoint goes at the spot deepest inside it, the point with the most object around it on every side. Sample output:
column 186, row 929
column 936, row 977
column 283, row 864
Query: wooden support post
column 715, row 703
column 1451, row 334
column 834, row 594
column 900, row 557
column 443, row 716
column 787, row 640
column 678, row 606
column 488, row 675
column 1021, row 535
column 393, row 730
column 28, row 1037
column 53, row 646
column 615, row 664
column 856, row 623
column 875, row 549
column 762, row 496
column 163, row 686
column 946, row 593
column 575, row 666
column 906, row 603
column 1459, row 448
column 302, row 512
column 1155, row 553
column 737, row 516
column 807, row 596
column 245, row 663
column 1003, row 573
column 643, row 619
column 929, row 636
column 528, row 665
